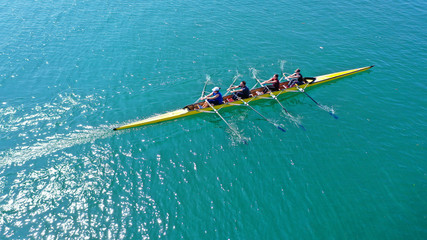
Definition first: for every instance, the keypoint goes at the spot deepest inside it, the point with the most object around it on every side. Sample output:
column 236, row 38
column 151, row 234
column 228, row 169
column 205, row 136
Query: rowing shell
column 256, row 94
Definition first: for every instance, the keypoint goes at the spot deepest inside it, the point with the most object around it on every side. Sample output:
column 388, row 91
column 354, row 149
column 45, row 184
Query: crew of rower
column 215, row 97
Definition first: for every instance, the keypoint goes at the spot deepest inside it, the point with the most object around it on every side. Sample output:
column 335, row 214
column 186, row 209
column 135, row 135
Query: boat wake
column 21, row 154
column 44, row 128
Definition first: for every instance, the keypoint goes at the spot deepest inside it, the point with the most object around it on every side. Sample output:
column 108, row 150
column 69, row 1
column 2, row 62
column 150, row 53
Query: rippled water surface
column 70, row 71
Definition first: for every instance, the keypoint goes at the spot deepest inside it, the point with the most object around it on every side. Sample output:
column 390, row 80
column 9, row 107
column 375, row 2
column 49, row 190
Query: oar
column 277, row 100
column 204, row 88
column 321, row 106
column 284, row 75
column 235, row 79
column 235, row 132
column 272, row 95
column 247, row 104
column 203, row 91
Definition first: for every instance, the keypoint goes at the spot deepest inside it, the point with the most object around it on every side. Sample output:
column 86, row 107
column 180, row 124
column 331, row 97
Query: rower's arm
column 216, row 96
column 292, row 76
column 207, row 96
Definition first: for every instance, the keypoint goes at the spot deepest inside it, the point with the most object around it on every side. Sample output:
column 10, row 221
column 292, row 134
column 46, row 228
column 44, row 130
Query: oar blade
column 281, row 129
column 333, row 115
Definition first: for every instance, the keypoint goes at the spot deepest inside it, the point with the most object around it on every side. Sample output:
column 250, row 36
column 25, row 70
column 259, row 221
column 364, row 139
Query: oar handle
column 262, row 85
column 228, row 89
column 203, row 91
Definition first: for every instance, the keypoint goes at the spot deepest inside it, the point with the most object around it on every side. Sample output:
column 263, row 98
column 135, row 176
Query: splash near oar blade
column 223, row 119
column 277, row 100
column 268, row 120
column 320, row 105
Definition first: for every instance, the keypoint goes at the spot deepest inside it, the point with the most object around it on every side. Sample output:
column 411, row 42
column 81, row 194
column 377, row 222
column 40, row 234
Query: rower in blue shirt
column 214, row 98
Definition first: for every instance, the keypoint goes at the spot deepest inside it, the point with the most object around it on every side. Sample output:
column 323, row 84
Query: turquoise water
column 70, row 71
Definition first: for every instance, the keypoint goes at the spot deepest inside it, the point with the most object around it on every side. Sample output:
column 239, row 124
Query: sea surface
column 70, row 71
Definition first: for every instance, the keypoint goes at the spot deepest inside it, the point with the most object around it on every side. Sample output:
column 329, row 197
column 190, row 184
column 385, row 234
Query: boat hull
column 257, row 94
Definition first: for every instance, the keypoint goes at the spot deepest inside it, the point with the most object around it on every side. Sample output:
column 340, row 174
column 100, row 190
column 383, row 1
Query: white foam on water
column 327, row 108
column 282, row 65
column 51, row 144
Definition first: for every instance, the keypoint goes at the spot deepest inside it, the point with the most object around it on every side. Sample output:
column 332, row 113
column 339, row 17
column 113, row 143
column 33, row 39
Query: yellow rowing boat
column 256, row 94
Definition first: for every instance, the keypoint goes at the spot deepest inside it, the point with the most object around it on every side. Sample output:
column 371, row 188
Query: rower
column 214, row 98
column 295, row 78
column 275, row 81
column 243, row 92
